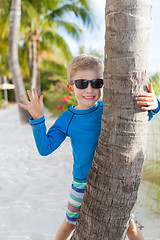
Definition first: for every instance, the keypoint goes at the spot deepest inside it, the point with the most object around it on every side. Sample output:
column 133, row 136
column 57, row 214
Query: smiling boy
column 82, row 123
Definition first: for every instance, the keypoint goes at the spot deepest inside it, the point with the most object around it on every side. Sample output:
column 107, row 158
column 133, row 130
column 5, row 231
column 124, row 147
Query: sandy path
column 32, row 190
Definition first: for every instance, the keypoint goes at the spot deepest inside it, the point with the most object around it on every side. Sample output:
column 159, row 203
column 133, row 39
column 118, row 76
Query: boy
column 82, row 123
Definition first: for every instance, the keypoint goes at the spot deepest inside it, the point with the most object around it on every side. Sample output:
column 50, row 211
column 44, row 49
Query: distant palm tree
column 41, row 21
column 114, row 178
column 15, row 16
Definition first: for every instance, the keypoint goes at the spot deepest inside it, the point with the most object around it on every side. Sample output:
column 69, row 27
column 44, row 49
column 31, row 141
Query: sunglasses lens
column 81, row 83
column 97, row 83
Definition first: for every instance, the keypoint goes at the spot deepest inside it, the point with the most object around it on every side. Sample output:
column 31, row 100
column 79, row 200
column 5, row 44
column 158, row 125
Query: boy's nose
column 89, row 88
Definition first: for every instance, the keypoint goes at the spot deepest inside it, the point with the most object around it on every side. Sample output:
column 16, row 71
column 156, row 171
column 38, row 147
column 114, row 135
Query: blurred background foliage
column 57, row 98
column 40, row 22
column 155, row 79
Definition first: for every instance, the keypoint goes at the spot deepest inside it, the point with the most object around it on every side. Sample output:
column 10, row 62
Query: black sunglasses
column 83, row 83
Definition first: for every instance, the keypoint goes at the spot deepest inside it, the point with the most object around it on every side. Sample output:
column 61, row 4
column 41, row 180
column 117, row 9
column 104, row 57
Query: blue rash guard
column 83, row 127
column 153, row 113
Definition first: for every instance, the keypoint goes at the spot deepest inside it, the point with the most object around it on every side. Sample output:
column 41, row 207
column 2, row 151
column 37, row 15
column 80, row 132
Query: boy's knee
column 132, row 227
column 68, row 226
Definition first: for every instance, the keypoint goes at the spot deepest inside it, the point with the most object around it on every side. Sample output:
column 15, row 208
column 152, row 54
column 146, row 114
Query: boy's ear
column 70, row 88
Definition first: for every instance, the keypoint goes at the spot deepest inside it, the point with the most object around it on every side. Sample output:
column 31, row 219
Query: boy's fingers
column 144, row 103
column 35, row 94
column 146, row 108
column 22, row 105
column 150, row 88
column 145, row 94
column 24, row 99
column 30, row 95
column 41, row 98
column 144, row 98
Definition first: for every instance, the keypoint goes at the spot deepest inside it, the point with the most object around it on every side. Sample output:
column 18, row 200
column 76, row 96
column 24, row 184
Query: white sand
column 33, row 193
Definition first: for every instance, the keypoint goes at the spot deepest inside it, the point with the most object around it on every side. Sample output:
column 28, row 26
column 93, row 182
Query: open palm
column 35, row 105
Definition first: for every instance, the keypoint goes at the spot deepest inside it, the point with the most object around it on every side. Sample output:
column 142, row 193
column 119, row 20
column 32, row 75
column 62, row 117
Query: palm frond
column 72, row 29
column 84, row 3
column 31, row 15
column 42, row 6
column 79, row 11
column 5, row 7
column 57, row 44
column 3, row 47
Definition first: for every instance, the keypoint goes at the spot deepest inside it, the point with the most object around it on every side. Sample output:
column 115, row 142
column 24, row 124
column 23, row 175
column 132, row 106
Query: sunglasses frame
column 88, row 81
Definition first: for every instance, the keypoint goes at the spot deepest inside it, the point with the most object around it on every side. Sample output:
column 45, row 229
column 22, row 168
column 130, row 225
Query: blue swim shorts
column 75, row 201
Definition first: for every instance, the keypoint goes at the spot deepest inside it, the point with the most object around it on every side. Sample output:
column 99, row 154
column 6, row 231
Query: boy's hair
column 84, row 62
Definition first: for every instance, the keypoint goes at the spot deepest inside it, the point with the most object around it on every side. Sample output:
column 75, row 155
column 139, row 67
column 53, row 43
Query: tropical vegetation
column 57, row 98
column 155, row 79
column 42, row 49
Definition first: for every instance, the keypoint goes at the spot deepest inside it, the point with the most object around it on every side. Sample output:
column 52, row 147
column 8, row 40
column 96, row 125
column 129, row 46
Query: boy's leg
column 133, row 232
column 64, row 231
column 72, row 211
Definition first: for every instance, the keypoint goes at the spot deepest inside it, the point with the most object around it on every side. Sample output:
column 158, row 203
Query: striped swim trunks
column 75, row 201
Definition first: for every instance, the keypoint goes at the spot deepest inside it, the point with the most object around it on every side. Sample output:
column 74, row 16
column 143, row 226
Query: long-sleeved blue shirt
column 153, row 113
column 83, row 127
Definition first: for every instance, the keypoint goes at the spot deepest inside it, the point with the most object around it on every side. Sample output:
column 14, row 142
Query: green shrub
column 156, row 83
column 57, row 98
column 151, row 168
column 1, row 98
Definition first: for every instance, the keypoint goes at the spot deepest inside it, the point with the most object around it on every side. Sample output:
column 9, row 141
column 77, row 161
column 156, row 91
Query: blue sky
column 95, row 39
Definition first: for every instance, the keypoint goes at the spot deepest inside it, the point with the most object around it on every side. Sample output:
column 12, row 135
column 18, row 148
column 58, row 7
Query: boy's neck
column 79, row 108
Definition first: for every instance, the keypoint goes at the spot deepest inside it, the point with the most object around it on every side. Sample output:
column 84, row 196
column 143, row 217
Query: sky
column 95, row 39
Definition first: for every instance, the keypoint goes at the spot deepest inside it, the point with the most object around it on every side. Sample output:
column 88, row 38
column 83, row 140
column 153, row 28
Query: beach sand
column 34, row 190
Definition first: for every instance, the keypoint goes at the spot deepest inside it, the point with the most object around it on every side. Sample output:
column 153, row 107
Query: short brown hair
column 84, row 62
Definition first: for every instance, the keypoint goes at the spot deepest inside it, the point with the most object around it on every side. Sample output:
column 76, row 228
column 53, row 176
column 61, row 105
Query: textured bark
column 15, row 16
column 115, row 175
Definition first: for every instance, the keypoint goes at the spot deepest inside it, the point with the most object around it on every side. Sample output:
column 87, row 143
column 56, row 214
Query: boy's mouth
column 89, row 97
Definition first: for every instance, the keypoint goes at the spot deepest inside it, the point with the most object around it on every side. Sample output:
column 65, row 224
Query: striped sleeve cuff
column 157, row 109
column 37, row 121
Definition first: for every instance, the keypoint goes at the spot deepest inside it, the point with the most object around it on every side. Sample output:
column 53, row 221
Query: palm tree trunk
column 38, row 83
column 114, row 178
column 15, row 16
column 33, row 65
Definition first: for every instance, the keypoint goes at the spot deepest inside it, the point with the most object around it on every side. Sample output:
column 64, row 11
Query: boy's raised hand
column 148, row 99
column 35, row 105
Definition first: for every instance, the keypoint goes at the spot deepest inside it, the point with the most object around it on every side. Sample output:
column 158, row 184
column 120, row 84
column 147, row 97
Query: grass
column 151, row 169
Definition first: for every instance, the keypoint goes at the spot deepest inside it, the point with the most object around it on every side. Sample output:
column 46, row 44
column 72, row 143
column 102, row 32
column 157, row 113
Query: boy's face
column 87, row 97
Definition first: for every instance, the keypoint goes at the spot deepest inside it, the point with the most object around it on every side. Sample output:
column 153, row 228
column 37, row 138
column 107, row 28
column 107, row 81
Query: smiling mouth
column 89, row 98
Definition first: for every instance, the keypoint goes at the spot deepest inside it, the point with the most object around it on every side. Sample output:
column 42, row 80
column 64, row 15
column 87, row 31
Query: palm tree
column 4, row 26
column 39, row 28
column 42, row 22
column 15, row 16
column 115, row 175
